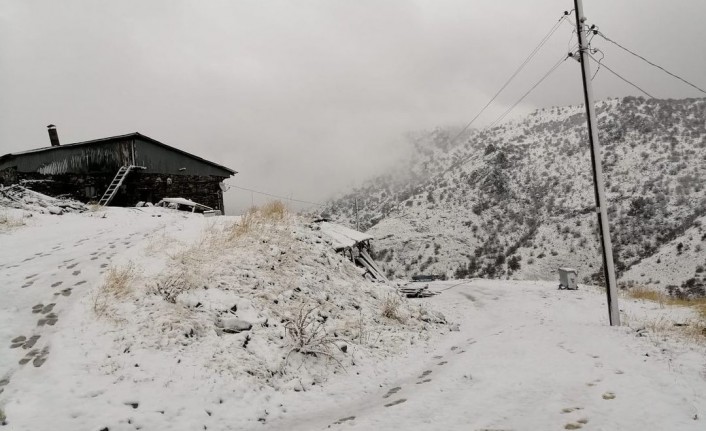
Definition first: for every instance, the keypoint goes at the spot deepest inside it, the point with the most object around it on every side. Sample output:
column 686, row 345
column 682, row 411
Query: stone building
column 148, row 171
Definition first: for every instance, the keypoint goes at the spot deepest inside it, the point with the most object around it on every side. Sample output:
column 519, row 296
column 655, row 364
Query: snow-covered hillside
column 151, row 319
column 517, row 200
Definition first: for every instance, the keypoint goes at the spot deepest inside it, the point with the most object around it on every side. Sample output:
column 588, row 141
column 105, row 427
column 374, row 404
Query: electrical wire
column 531, row 55
column 649, row 62
column 599, row 63
column 276, row 196
column 544, row 40
column 546, row 75
column 621, row 77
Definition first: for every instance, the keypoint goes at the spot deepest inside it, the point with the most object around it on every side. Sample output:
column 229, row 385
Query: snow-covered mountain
column 517, row 200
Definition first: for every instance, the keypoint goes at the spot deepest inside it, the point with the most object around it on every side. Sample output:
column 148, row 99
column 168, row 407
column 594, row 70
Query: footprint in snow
column 78, row 283
column 77, row 272
column 50, row 319
column 31, row 276
column 443, row 363
column 392, row 392
column 65, row 292
column 58, row 283
column 29, row 356
column 424, row 374
column 340, row 421
column 104, row 265
column 30, row 342
column 570, row 409
column 394, row 403
column 29, row 283
column 72, row 266
column 37, row 308
column 609, row 396
column 40, row 359
column 94, row 258
column 18, row 342
column 423, row 381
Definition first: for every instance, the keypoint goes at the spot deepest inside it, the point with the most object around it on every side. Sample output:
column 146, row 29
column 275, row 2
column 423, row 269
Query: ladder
column 117, row 182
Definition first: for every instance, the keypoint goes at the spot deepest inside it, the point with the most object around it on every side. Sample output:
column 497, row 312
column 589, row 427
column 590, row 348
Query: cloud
column 307, row 98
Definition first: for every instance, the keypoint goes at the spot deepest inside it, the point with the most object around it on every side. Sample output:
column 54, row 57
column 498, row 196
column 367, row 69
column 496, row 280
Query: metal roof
column 116, row 138
column 341, row 236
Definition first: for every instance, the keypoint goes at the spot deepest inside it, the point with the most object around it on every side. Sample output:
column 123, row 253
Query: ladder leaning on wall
column 116, row 183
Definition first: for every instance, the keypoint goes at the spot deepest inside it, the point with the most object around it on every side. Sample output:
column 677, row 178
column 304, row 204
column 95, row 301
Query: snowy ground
column 527, row 357
column 516, row 355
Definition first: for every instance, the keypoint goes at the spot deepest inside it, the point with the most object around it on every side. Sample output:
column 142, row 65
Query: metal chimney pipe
column 53, row 135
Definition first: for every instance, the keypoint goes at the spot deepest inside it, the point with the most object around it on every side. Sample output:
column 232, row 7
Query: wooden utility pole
column 599, row 186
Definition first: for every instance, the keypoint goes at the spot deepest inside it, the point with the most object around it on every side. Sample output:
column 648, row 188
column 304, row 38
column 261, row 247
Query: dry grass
column 274, row 212
column 391, row 308
column 694, row 329
column 8, row 222
column 116, row 286
column 698, row 305
column 307, row 334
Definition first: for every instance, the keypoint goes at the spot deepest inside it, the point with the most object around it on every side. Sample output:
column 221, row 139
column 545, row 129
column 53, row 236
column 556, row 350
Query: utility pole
column 357, row 223
column 599, row 186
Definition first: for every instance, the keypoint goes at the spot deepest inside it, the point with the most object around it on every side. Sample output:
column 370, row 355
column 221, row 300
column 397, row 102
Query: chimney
column 53, row 135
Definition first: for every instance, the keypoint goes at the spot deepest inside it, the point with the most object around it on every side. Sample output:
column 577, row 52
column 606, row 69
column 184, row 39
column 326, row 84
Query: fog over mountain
column 521, row 202
column 307, row 99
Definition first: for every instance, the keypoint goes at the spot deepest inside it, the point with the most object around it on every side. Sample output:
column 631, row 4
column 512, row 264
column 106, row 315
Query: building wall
column 137, row 187
column 83, row 172
column 147, row 187
column 81, row 187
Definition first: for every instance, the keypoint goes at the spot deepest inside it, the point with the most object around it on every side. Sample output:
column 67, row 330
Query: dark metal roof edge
column 116, row 138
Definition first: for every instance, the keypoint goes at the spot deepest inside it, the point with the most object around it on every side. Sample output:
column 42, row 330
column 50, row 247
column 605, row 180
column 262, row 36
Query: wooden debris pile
column 19, row 197
column 414, row 290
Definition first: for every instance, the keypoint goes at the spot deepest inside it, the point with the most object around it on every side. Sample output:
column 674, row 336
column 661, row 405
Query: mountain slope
column 517, row 200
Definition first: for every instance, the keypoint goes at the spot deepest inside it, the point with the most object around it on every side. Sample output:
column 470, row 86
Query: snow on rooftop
column 341, row 236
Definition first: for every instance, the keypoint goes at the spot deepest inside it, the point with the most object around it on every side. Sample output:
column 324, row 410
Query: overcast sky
column 308, row 98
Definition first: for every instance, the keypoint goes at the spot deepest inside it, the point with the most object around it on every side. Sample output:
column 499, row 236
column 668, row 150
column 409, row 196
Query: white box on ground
column 567, row 278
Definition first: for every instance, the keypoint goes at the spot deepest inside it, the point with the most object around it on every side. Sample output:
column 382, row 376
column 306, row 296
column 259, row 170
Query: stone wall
column 136, row 187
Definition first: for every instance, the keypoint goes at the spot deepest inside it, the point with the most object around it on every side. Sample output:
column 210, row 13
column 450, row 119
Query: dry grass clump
column 306, row 333
column 274, row 210
column 696, row 304
column 271, row 213
column 391, row 308
column 8, row 222
column 694, row 329
column 116, row 286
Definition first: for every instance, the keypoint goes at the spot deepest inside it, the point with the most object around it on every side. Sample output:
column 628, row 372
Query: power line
column 544, row 40
column 649, row 62
column 536, row 49
column 601, row 63
column 546, row 75
column 467, row 159
column 276, row 196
